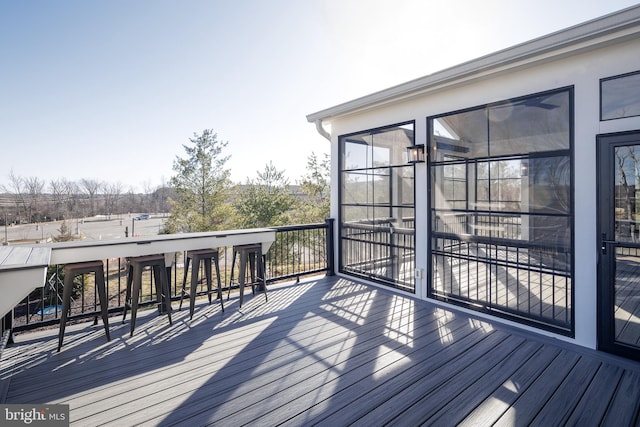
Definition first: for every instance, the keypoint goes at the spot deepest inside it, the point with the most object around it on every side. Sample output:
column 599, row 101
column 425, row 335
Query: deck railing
column 381, row 251
column 298, row 250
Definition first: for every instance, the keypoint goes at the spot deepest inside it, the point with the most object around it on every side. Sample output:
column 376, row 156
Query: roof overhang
column 613, row 28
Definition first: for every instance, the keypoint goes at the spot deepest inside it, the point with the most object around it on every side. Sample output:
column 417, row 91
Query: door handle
column 604, row 242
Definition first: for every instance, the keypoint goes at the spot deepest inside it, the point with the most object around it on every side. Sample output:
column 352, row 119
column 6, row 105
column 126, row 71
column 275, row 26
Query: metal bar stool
column 134, row 285
column 253, row 254
column 206, row 255
column 70, row 272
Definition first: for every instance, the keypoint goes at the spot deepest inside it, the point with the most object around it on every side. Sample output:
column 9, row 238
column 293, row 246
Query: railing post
column 331, row 270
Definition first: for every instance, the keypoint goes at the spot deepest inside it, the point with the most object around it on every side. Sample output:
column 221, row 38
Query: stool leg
column 166, row 290
column 241, row 275
column 215, row 258
column 136, row 285
column 127, row 298
column 184, row 281
column 104, row 303
column 233, row 264
column 263, row 274
column 66, row 303
column 195, row 270
column 208, row 274
column 252, row 271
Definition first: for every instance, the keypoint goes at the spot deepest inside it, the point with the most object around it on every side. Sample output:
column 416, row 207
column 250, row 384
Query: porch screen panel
column 501, row 209
column 377, row 206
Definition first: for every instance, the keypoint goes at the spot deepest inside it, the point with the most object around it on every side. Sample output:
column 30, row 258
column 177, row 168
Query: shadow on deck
column 326, row 351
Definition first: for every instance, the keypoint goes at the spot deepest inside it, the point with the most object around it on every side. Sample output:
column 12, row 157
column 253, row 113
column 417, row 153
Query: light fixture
column 415, row 154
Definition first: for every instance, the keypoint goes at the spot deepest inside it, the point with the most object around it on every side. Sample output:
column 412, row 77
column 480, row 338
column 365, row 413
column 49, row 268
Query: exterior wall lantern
column 415, row 154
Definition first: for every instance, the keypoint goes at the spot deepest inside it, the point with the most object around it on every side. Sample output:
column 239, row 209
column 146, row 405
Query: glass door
column 619, row 244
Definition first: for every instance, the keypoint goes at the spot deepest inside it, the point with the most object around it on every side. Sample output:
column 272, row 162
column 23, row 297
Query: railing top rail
column 157, row 238
column 472, row 238
column 318, row 225
column 379, row 228
column 66, row 252
column 16, row 257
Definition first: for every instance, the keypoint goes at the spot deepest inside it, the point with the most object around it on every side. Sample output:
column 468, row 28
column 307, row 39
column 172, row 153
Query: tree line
column 199, row 197
column 205, row 199
column 32, row 200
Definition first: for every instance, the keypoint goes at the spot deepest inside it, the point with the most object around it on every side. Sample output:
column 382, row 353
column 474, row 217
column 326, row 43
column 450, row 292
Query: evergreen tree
column 315, row 188
column 202, row 186
column 265, row 201
column 65, row 233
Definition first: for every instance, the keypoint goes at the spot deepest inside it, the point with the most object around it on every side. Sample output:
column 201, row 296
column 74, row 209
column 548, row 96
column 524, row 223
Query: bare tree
column 72, row 196
column 16, row 189
column 33, row 186
column 91, row 188
column 628, row 191
column 34, row 199
column 147, row 191
column 112, row 195
column 130, row 201
column 57, row 191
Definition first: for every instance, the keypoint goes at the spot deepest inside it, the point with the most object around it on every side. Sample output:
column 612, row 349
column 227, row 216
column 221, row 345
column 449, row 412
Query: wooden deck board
column 366, row 407
column 270, row 376
column 568, row 394
column 530, row 403
column 299, row 388
column 591, row 408
column 434, row 400
column 452, row 413
column 624, row 409
column 491, row 408
column 382, row 374
column 326, row 351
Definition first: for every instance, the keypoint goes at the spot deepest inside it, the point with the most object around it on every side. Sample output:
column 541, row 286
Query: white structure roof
column 594, row 34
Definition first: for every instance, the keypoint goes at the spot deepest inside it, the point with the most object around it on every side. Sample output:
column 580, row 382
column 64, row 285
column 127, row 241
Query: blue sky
column 110, row 90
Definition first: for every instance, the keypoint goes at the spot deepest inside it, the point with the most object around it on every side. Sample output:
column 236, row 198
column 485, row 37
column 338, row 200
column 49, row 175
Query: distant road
column 94, row 228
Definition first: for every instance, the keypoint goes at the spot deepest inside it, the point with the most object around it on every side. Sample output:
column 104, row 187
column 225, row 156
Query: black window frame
column 606, row 79
column 570, row 329
column 341, row 256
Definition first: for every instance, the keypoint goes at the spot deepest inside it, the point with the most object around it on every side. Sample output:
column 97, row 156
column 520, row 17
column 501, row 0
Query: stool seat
column 252, row 253
column 71, row 271
column 84, row 267
column 206, row 256
column 134, row 284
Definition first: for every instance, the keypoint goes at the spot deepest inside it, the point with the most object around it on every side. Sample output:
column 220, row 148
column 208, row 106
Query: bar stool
column 206, row 255
column 134, row 284
column 251, row 253
column 71, row 271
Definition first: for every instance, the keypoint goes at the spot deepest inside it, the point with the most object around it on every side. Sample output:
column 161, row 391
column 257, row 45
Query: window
column 377, row 206
column 501, row 209
column 620, row 96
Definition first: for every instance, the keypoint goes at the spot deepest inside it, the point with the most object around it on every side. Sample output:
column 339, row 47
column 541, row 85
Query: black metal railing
column 510, row 278
column 380, row 251
column 298, row 251
column 497, row 225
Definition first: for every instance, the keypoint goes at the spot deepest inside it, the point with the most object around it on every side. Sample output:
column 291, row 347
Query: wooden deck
column 326, row 351
column 627, row 300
